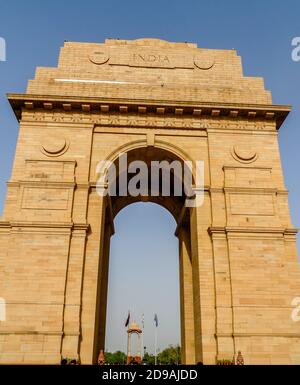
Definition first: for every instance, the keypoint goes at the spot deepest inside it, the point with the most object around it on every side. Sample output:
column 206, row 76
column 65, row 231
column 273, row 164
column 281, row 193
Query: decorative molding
column 81, row 226
column 142, row 110
column 47, row 225
column 4, row 225
column 251, row 190
column 252, row 112
column 146, row 121
column 55, row 147
column 65, row 161
column 99, row 57
column 33, row 333
column 244, row 155
column 252, row 230
column 151, row 140
column 248, row 168
column 292, row 232
column 247, row 335
column 42, row 184
column 44, row 225
column 204, row 63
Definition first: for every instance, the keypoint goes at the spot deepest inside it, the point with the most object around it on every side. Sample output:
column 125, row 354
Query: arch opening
column 143, row 278
column 174, row 203
column 147, row 174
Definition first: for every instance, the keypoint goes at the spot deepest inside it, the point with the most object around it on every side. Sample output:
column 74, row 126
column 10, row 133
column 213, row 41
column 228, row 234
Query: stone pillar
column 103, row 290
column 223, row 297
column 186, row 298
column 72, row 309
column 139, row 346
column 203, row 284
column 129, row 346
column 90, row 289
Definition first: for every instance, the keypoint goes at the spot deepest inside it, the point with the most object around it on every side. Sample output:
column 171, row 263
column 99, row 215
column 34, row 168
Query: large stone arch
column 239, row 267
column 176, row 207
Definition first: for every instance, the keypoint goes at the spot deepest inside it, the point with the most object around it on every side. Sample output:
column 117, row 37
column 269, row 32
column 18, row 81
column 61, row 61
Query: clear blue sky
column 260, row 30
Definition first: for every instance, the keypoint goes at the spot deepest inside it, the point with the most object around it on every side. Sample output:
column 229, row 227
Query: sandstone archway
column 176, row 206
column 239, row 271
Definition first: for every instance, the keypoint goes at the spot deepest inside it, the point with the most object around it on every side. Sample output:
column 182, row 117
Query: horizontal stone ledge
column 94, row 185
column 41, row 183
column 46, row 225
column 260, row 307
column 71, row 334
column 252, row 230
column 253, row 190
column 4, row 224
column 253, row 306
column 52, row 184
column 24, row 303
column 123, row 106
column 41, row 333
column 31, row 332
column 247, row 335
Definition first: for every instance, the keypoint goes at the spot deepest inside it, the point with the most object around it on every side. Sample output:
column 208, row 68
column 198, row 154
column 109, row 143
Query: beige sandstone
column 153, row 100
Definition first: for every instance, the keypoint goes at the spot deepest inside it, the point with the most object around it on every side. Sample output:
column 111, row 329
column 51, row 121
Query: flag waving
column 156, row 320
column 128, row 320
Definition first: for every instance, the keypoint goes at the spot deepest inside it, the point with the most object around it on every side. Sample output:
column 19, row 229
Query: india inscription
column 151, row 58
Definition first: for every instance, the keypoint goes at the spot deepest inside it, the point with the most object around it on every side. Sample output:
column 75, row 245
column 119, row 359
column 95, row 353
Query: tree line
column 169, row 356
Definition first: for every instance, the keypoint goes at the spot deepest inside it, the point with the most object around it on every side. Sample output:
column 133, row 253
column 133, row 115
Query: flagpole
column 143, row 324
column 156, row 326
column 155, row 345
column 128, row 337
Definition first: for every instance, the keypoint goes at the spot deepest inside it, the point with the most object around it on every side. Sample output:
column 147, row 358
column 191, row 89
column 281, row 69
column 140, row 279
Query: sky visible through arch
column 261, row 31
column 144, row 276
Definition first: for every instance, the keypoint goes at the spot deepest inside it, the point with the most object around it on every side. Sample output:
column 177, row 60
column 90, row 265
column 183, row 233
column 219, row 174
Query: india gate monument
column 150, row 100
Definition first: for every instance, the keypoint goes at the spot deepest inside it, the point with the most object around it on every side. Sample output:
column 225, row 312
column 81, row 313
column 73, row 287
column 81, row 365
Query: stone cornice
column 274, row 113
column 46, row 225
column 31, row 332
column 4, row 225
column 253, row 334
column 252, row 230
column 49, row 184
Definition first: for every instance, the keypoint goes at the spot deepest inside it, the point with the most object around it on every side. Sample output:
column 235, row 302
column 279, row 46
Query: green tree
column 117, row 358
column 170, row 356
column 149, row 359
